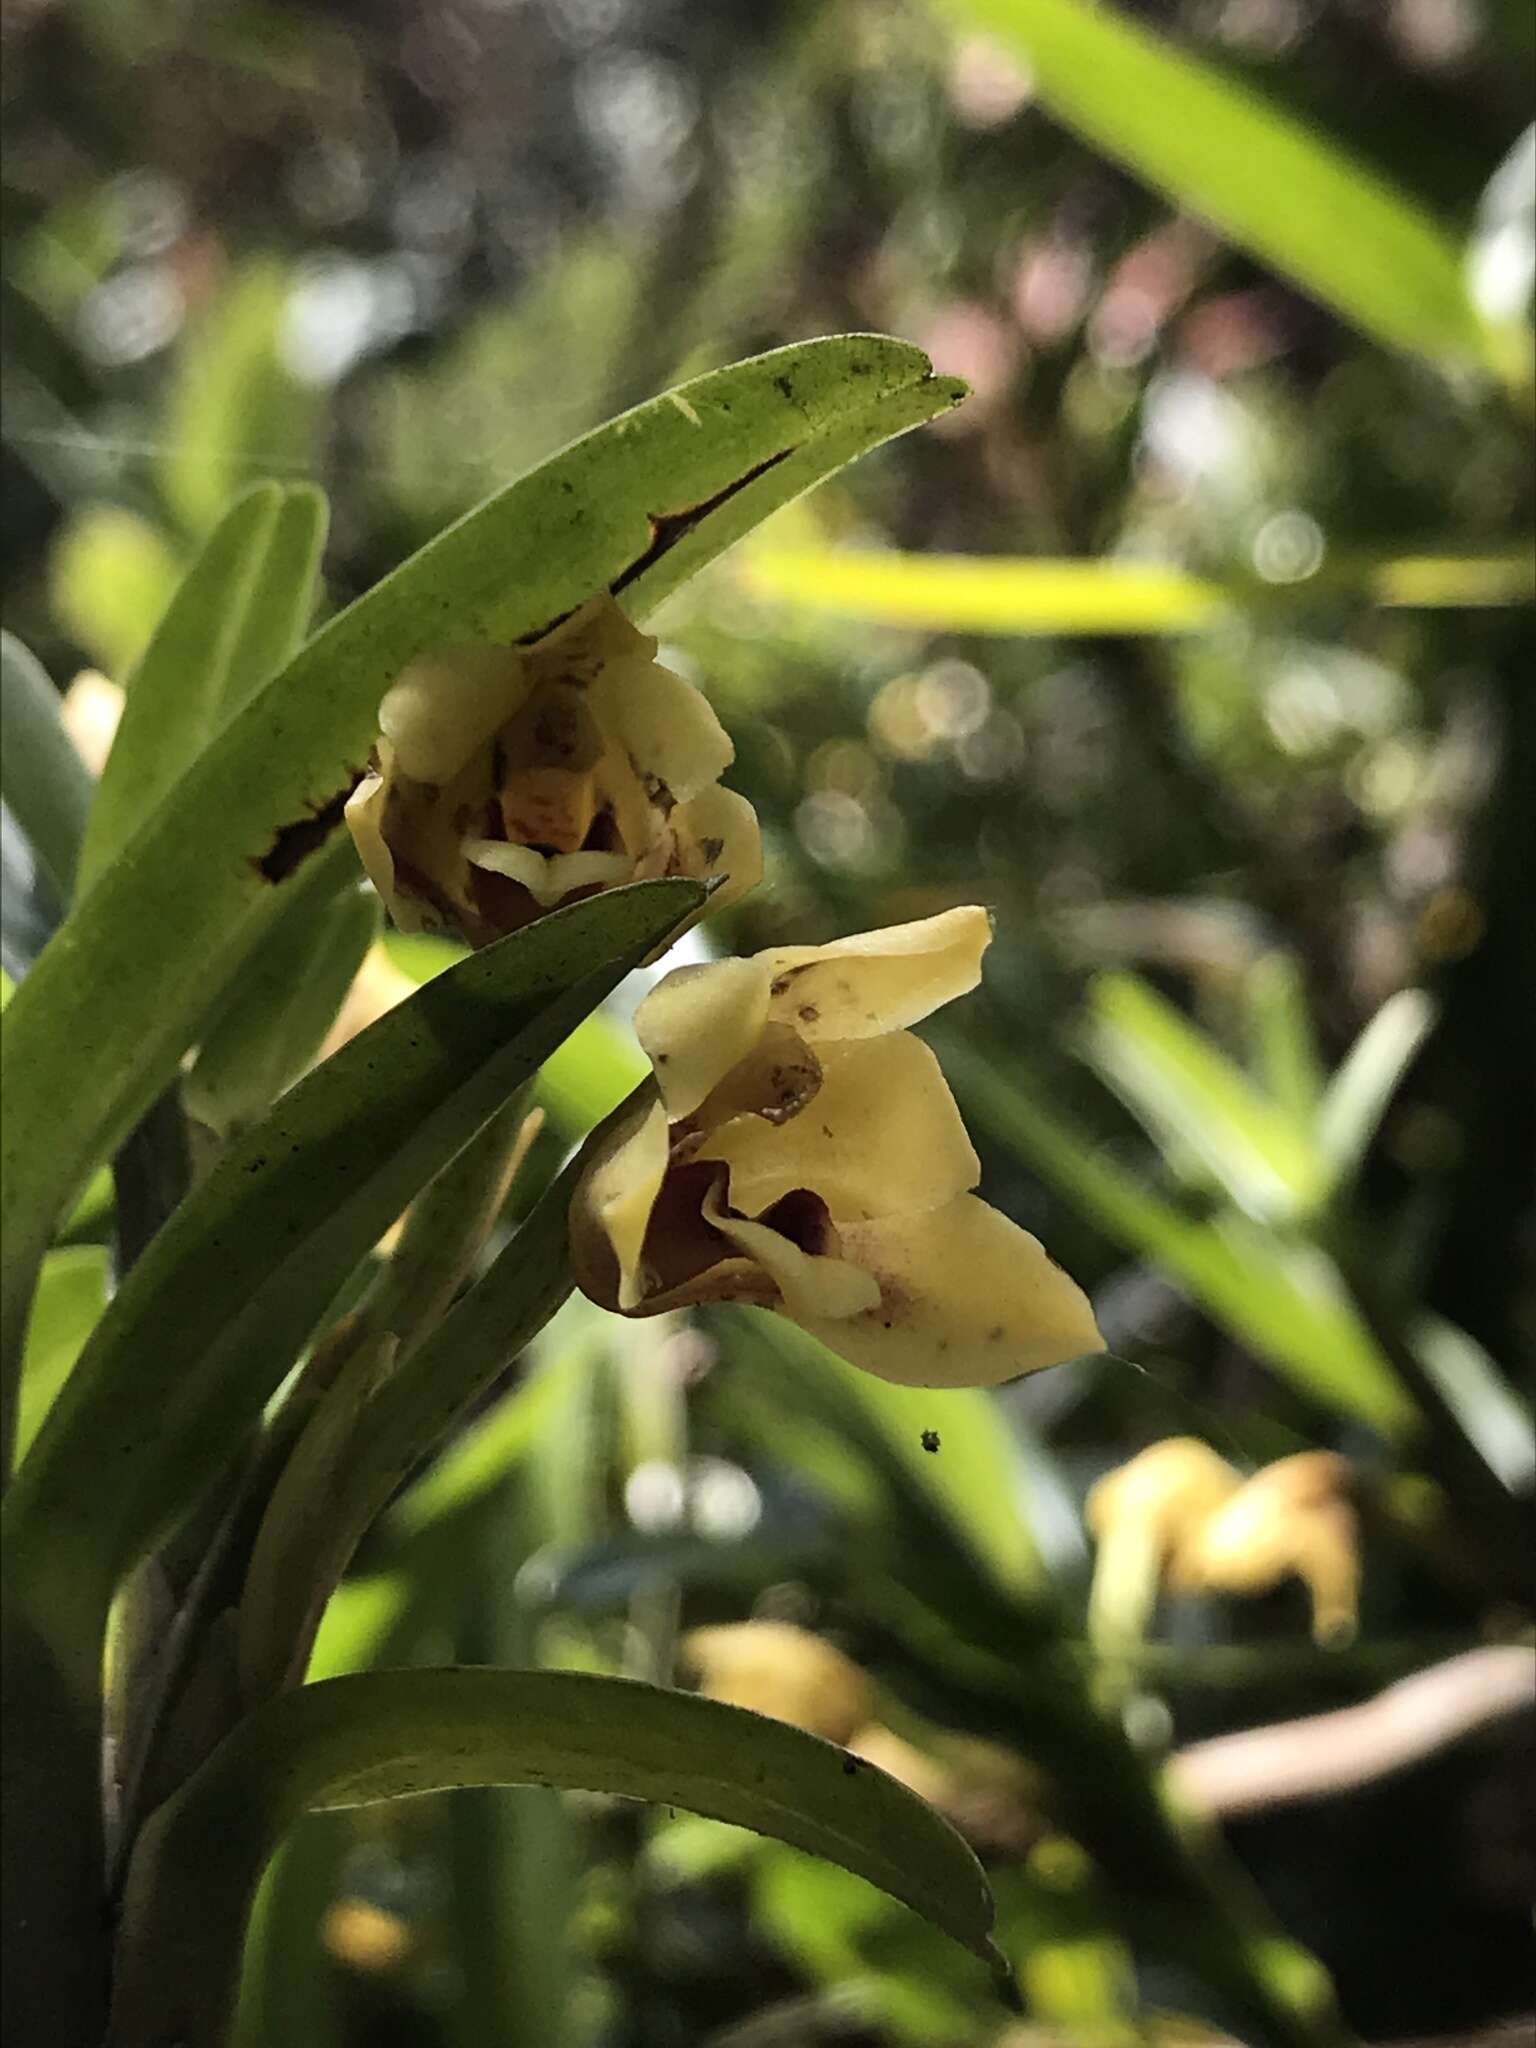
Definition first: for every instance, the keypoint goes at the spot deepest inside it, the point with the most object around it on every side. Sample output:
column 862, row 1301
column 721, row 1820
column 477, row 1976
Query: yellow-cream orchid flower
column 787, row 1672
column 1294, row 1517
column 510, row 780
column 801, row 1150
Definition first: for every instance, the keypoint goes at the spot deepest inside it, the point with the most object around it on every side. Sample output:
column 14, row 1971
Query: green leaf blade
column 214, row 1313
column 46, row 786
column 388, row 1735
column 1272, row 184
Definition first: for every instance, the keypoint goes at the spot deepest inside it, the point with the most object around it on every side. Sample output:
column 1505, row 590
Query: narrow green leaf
column 1023, row 595
column 211, row 1318
column 282, row 1006
column 1283, row 1048
column 1197, row 1101
column 71, row 1296
column 273, row 1644
column 1276, row 186
column 282, row 602
column 389, row 1735
column 443, row 1378
column 1454, row 582
column 1493, row 1416
column 45, row 784
column 636, row 507
column 236, row 614
column 1280, row 1296
column 1356, row 1097
column 110, row 577
column 234, row 409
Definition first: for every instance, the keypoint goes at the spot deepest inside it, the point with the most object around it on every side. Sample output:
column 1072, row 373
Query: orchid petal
column 446, row 703
column 882, row 1136
column 878, row 981
column 699, row 1022
column 811, row 1283
column 967, row 1299
column 667, row 727
column 723, row 829
column 620, row 1192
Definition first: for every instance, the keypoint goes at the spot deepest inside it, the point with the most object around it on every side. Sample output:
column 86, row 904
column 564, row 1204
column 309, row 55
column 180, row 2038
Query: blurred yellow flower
column 1164, row 1493
column 510, row 780
column 801, row 1150
column 1294, row 1517
column 786, row 1672
column 1179, row 1514
column 365, row 1937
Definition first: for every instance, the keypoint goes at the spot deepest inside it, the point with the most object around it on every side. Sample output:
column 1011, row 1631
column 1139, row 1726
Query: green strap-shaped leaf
column 635, row 507
column 1274, row 185
column 283, row 1005
column 1281, row 1042
column 1363, row 1084
column 234, row 408
column 236, row 615
column 388, row 1735
column 212, row 1316
column 1200, row 1103
column 45, row 784
column 1279, row 1295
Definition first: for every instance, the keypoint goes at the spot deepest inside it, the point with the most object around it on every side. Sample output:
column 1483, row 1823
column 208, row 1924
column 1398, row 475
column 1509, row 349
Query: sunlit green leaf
column 1280, row 1295
column 383, row 1735
column 235, row 411
column 1277, row 187
column 213, row 1314
column 71, row 1295
column 282, row 1007
column 110, row 577
column 1358, row 1093
column 977, row 594
column 1192, row 1096
column 1283, row 1045
column 1488, row 1409
column 236, row 614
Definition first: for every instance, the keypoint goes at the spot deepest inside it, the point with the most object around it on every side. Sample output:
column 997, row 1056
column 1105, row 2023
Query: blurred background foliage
column 1233, row 729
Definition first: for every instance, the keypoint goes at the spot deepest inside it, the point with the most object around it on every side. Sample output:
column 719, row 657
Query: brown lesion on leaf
column 668, row 528
column 293, row 844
